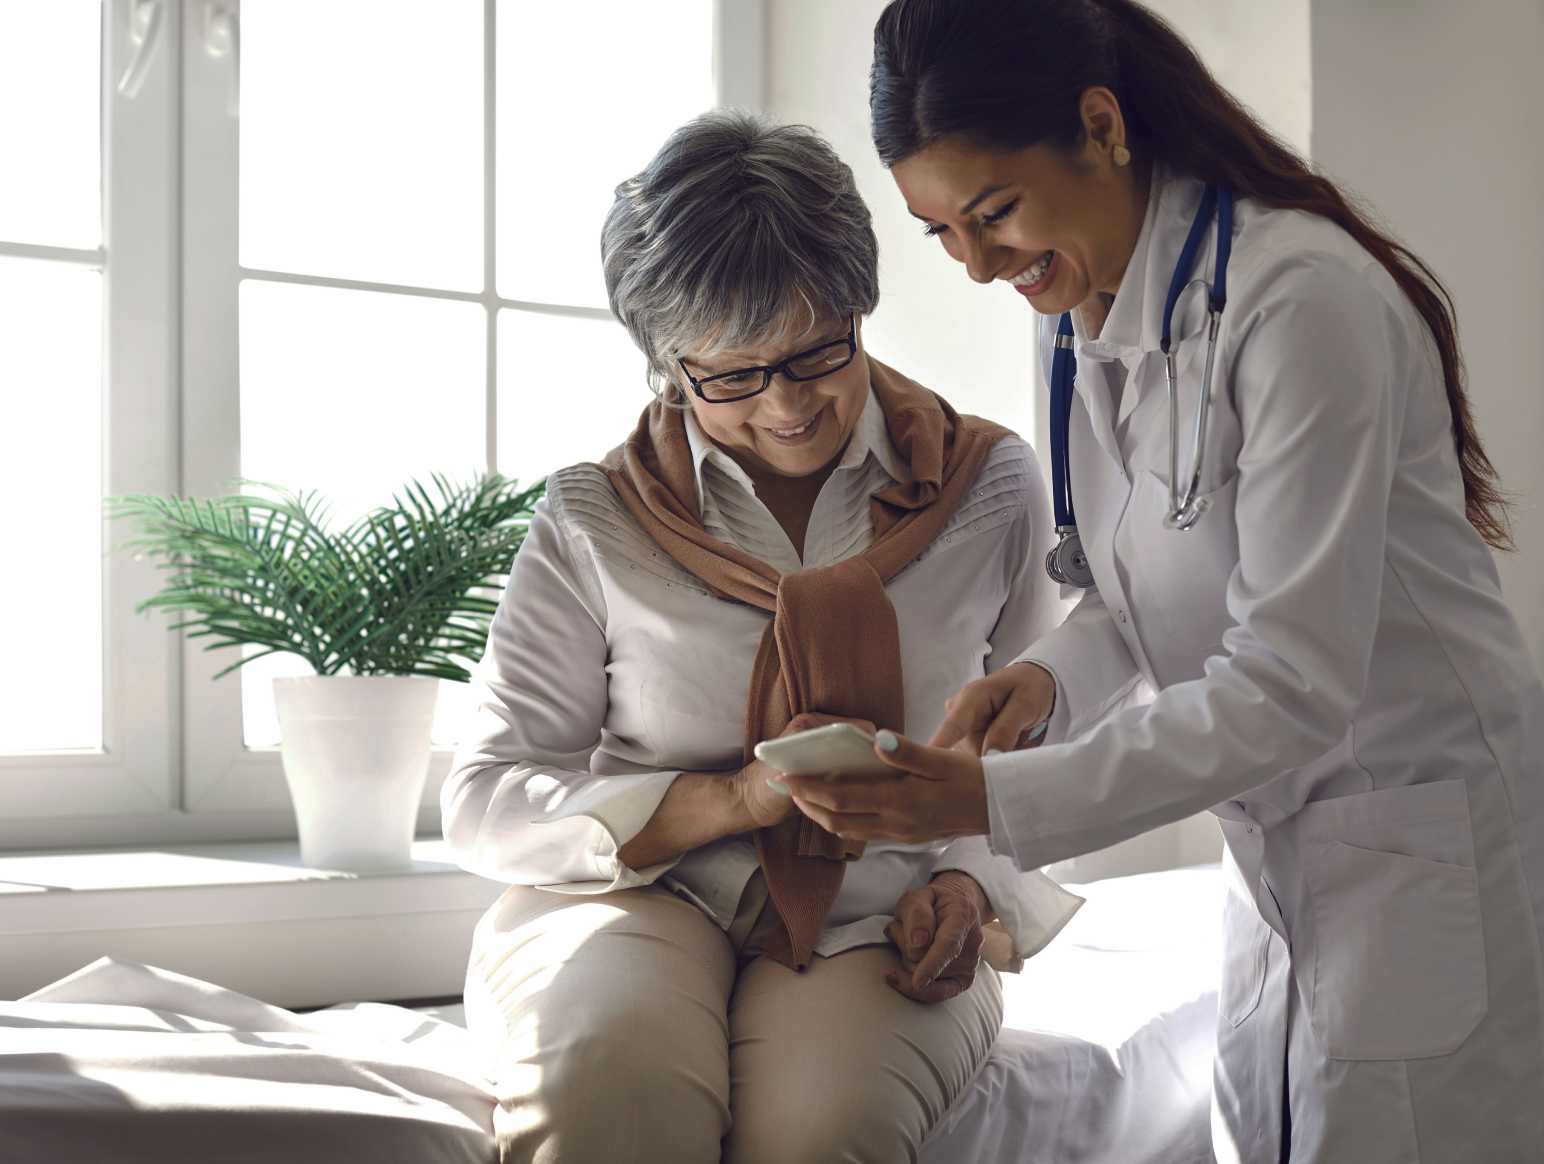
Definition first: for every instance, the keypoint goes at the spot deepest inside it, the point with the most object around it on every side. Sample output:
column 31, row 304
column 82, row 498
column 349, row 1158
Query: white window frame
column 175, row 766
column 134, row 774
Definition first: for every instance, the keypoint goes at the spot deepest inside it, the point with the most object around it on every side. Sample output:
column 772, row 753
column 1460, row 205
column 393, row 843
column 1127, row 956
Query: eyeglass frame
column 769, row 370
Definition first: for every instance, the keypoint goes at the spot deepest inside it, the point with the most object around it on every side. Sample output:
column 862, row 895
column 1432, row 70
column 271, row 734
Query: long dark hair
column 1008, row 74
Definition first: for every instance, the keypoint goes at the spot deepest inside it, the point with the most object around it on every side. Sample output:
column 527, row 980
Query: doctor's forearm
column 699, row 808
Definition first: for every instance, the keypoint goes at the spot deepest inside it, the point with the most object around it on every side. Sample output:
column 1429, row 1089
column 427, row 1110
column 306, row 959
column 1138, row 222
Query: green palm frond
column 408, row 589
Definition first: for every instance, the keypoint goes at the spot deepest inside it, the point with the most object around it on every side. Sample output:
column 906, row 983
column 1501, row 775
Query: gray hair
column 736, row 228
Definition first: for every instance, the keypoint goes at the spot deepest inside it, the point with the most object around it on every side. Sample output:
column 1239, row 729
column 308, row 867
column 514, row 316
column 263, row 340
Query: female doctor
column 1275, row 513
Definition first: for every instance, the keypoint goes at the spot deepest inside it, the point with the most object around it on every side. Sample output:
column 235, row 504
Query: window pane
column 50, row 132
column 570, row 390
column 51, row 478
column 572, row 124
column 361, row 140
column 354, row 393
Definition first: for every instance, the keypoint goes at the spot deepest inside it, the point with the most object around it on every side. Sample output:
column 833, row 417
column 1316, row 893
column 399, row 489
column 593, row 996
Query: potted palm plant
column 381, row 609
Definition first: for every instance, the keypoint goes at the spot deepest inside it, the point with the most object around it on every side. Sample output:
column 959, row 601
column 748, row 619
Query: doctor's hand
column 937, row 931
column 1003, row 712
column 764, row 804
column 934, row 794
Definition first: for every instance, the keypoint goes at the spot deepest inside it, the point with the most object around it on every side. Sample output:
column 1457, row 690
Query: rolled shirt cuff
column 602, row 819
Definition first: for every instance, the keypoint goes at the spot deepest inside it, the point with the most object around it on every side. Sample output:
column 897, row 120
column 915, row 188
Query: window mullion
column 140, row 207
column 220, row 772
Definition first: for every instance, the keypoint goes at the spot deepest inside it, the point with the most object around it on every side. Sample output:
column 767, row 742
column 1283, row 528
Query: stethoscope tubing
column 1185, row 507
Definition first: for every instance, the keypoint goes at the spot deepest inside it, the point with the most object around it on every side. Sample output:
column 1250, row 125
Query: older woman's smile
column 801, row 433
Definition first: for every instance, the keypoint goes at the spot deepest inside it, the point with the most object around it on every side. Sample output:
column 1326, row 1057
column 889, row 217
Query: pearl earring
column 1121, row 155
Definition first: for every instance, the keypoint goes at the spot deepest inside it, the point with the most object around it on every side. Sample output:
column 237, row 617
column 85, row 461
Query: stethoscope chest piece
column 1067, row 564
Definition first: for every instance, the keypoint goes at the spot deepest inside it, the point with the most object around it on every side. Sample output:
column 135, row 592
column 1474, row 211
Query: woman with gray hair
column 795, row 534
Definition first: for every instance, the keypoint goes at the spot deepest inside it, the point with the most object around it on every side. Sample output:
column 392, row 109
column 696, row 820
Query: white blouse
column 610, row 670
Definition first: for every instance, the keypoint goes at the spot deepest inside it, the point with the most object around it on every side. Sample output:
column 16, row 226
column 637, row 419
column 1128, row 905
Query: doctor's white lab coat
column 1336, row 677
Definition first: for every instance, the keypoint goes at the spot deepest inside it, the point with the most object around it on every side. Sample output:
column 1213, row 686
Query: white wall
column 973, row 343
column 1258, row 51
column 1430, row 111
column 970, row 343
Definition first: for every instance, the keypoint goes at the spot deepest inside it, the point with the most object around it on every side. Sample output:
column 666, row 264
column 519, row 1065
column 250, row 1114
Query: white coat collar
column 1135, row 323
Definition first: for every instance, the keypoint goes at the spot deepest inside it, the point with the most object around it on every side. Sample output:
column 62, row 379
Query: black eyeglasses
column 743, row 383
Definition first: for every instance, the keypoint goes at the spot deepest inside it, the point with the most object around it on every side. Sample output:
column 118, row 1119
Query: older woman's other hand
column 762, row 788
column 940, row 793
column 1001, row 712
column 937, row 930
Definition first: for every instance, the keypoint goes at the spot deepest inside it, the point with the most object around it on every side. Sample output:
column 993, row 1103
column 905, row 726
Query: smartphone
column 838, row 749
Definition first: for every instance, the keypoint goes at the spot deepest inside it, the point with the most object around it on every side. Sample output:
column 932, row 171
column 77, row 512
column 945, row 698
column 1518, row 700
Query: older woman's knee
column 849, row 1126
column 603, row 1024
column 625, row 1087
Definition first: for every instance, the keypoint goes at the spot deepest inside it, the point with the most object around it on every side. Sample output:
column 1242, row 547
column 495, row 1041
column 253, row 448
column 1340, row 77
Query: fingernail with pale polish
column 992, row 752
column 887, row 741
column 778, row 786
column 1039, row 729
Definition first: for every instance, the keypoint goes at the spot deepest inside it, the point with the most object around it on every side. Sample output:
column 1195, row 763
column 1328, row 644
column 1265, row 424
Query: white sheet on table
column 1105, row 1055
column 1104, row 1059
column 128, row 1063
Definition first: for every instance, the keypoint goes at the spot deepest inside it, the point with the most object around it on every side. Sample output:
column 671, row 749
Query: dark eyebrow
column 977, row 200
column 969, row 206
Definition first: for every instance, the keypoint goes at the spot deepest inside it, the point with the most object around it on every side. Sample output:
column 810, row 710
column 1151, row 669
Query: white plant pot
column 356, row 754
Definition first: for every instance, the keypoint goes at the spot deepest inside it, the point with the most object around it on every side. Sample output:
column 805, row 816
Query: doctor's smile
column 1036, row 277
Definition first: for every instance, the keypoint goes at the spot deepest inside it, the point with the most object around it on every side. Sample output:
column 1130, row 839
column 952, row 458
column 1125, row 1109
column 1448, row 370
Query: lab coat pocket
column 1149, row 412
column 1178, row 579
column 1246, row 951
column 1398, row 960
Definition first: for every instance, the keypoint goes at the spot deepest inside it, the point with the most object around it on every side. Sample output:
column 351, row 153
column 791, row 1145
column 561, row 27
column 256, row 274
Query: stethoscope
column 1067, row 563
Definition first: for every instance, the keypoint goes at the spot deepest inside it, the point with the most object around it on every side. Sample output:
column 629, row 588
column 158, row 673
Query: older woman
column 794, row 534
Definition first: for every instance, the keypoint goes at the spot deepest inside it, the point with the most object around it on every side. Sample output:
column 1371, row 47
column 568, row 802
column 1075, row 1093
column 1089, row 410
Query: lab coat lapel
column 1093, row 386
column 1133, row 330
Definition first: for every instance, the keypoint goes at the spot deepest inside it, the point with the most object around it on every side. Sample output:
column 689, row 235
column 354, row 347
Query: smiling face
column 794, row 428
column 1058, row 226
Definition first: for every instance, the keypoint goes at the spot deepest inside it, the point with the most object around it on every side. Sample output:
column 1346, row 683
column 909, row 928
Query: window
column 88, row 709
column 386, row 239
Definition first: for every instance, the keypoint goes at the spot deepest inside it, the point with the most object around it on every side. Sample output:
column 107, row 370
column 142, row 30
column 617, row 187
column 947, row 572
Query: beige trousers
column 628, row 1028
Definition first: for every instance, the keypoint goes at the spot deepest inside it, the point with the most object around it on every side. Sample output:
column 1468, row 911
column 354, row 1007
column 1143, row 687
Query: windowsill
column 245, row 915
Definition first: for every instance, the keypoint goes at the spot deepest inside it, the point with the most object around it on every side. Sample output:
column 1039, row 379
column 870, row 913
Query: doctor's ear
column 1104, row 126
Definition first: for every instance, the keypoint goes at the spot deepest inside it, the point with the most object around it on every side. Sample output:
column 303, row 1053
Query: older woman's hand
column 762, row 788
column 937, row 930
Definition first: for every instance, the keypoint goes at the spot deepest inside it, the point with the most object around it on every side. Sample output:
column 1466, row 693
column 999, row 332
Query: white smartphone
column 838, row 749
